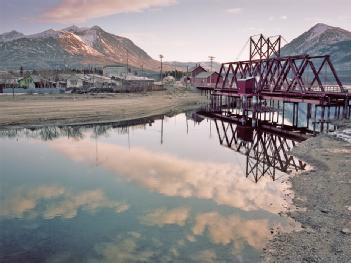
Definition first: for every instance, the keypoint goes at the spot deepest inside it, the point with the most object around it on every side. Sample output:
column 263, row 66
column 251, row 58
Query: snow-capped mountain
column 323, row 40
column 10, row 36
column 71, row 46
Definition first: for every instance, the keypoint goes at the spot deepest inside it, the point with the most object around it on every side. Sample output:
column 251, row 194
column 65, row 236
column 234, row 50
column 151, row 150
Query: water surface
column 164, row 191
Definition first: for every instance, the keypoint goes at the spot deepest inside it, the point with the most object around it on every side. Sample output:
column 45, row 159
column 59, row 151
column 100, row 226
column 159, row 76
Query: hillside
column 73, row 47
column 325, row 40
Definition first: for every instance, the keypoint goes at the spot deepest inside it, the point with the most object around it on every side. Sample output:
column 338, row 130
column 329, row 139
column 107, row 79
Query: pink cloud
column 173, row 176
column 81, row 10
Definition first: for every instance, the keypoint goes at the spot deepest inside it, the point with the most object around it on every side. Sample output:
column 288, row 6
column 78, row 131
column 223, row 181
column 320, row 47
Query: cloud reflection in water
column 59, row 202
column 173, row 176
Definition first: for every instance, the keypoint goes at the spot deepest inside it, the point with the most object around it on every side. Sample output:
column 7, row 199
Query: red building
column 197, row 70
column 205, row 79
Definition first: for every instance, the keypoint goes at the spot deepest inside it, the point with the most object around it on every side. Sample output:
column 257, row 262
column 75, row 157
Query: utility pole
column 211, row 61
column 161, row 57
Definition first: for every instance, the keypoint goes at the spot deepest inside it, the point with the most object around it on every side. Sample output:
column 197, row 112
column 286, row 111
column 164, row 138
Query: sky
column 181, row 30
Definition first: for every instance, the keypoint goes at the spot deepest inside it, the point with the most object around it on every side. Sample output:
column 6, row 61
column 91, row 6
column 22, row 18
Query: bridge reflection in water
column 266, row 146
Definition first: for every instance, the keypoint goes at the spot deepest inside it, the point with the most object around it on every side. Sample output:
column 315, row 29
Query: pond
column 164, row 190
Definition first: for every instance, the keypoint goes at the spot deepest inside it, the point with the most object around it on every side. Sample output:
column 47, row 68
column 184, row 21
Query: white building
column 117, row 71
column 75, row 81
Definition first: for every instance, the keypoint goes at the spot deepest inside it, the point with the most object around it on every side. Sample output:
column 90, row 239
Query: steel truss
column 293, row 75
column 263, row 48
column 265, row 153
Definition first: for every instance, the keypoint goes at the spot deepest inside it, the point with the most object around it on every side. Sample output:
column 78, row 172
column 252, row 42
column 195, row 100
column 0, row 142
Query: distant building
column 201, row 77
column 26, row 82
column 197, row 70
column 7, row 80
column 74, row 81
column 206, row 79
column 116, row 71
column 169, row 80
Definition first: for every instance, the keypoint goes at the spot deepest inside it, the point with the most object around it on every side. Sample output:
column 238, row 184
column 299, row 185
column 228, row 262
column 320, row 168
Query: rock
column 346, row 231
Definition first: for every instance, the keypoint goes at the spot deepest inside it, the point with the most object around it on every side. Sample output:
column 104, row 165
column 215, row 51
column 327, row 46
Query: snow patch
column 84, row 48
column 45, row 34
column 75, row 29
column 89, row 37
column 9, row 36
column 319, row 29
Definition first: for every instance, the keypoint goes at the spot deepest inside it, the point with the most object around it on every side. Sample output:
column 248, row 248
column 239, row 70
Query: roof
column 114, row 66
column 25, row 77
column 131, row 77
column 196, row 67
column 204, row 75
column 76, row 77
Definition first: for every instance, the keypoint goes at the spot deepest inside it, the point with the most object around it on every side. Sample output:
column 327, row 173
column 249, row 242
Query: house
column 206, row 79
column 169, row 80
column 197, row 70
column 26, row 82
column 137, row 84
column 114, row 71
column 75, row 81
column 7, row 84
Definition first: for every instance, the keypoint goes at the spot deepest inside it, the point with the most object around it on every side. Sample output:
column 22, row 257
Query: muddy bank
column 323, row 201
column 68, row 109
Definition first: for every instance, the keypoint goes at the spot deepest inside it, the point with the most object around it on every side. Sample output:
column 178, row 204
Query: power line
column 242, row 50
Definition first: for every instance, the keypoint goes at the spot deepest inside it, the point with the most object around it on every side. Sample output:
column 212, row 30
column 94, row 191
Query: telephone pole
column 161, row 57
column 211, row 60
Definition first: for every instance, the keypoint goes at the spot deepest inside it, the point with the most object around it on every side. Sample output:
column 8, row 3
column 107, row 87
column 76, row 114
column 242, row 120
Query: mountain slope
column 323, row 40
column 72, row 46
column 8, row 36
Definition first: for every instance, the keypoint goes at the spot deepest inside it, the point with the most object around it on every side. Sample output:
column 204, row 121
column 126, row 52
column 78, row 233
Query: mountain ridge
column 71, row 46
column 322, row 39
column 75, row 46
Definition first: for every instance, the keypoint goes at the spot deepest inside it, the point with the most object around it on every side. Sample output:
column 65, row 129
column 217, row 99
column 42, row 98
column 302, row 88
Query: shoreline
column 34, row 111
column 322, row 197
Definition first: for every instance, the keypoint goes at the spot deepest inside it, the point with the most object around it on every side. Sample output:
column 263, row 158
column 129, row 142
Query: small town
column 108, row 79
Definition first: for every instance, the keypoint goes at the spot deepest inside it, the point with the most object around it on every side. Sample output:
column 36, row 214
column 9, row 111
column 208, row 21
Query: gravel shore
column 323, row 201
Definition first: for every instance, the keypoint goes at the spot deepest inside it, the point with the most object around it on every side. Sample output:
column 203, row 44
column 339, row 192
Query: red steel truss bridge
column 299, row 78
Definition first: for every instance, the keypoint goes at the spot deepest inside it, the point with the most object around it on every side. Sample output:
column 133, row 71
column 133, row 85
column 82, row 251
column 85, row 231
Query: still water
column 164, row 191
